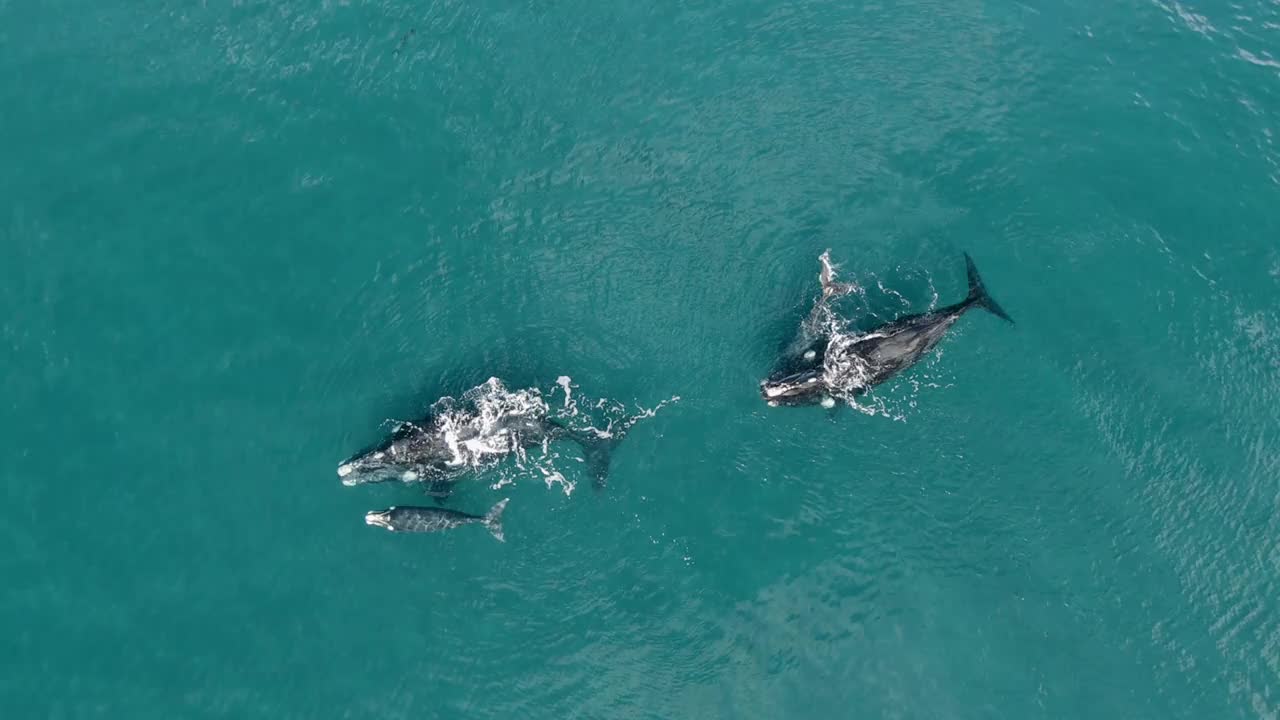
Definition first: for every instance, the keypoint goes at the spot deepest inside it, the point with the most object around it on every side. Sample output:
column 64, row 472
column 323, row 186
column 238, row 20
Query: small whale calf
column 434, row 519
column 827, row 363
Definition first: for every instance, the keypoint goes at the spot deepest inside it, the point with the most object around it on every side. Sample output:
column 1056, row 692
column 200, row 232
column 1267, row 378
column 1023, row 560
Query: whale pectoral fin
column 828, row 273
column 832, row 290
column 439, row 490
column 839, row 290
column 597, row 456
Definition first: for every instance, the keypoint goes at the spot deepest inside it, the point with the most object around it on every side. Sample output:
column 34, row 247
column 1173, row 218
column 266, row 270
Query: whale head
column 410, row 454
column 366, row 468
column 397, row 458
column 380, row 518
column 802, row 388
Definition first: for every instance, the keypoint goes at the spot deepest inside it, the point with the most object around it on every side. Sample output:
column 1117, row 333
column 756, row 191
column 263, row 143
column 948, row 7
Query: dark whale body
column 429, row 450
column 428, row 519
column 860, row 362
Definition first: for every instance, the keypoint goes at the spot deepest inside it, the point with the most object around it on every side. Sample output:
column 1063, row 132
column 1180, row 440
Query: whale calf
column 431, row 519
column 830, row 363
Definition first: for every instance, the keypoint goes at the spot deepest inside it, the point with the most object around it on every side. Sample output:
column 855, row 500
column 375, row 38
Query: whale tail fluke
column 598, row 445
column 978, row 292
column 597, row 449
column 597, row 452
column 493, row 519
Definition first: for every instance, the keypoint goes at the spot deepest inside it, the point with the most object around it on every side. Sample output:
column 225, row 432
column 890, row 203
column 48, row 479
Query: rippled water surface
column 238, row 236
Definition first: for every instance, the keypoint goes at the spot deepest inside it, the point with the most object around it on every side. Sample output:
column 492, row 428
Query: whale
column 457, row 438
column 830, row 363
column 413, row 519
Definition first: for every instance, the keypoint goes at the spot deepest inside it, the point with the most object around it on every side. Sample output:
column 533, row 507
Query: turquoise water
column 239, row 235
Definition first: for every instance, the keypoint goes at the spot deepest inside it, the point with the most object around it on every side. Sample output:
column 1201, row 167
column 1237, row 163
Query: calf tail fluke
column 493, row 519
column 978, row 292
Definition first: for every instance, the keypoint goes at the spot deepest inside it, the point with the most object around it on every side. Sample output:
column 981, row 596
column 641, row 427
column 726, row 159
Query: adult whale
column 463, row 436
column 848, row 364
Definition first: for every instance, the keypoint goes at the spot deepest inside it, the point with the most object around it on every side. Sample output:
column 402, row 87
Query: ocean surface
column 239, row 236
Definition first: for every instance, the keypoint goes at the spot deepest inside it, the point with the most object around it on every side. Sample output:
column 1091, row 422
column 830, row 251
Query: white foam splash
column 489, row 422
column 846, row 374
column 485, row 425
column 844, row 371
column 564, row 382
column 553, row 477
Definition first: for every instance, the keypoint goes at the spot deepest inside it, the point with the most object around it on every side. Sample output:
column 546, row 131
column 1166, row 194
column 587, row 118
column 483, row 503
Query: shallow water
column 240, row 235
